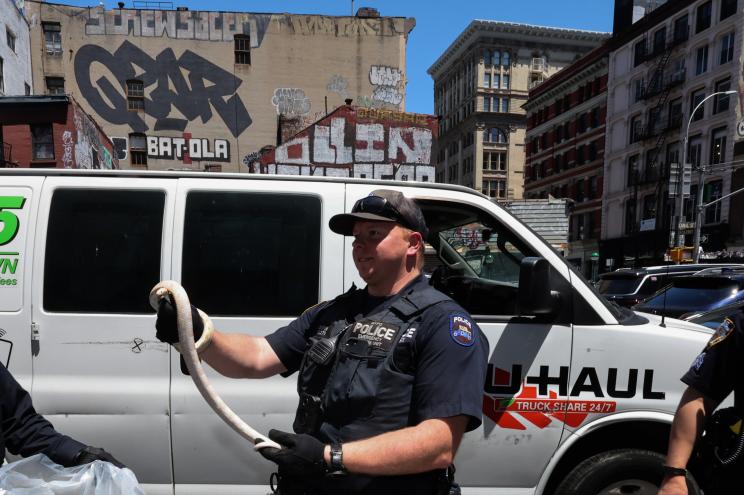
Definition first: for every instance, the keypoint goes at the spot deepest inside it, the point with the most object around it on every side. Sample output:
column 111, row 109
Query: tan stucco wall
column 297, row 61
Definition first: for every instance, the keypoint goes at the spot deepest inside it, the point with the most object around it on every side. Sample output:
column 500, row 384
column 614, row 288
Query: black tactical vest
column 364, row 385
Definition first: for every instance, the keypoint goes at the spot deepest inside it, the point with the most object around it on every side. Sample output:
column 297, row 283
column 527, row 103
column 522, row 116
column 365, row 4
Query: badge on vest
column 461, row 330
column 377, row 334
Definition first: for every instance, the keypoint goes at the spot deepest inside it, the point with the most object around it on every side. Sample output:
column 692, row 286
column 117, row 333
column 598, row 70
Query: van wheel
column 618, row 472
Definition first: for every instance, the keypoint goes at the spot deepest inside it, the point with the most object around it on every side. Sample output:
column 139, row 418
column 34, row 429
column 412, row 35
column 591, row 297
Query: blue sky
column 438, row 23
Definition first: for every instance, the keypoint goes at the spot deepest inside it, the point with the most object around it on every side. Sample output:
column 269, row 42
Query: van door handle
column 35, row 336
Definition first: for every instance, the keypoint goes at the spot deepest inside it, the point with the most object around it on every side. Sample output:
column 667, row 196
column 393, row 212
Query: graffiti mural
column 67, row 146
column 359, row 142
column 188, row 148
column 291, row 102
column 90, row 151
column 387, row 82
column 188, row 25
column 208, row 87
column 121, row 145
column 339, row 85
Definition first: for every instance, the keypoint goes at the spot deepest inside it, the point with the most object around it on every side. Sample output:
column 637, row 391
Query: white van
column 573, row 382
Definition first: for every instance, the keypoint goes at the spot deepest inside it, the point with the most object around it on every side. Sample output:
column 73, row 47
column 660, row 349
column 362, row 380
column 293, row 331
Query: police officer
column 390, row 376
column 717, row 371
column 25, row 432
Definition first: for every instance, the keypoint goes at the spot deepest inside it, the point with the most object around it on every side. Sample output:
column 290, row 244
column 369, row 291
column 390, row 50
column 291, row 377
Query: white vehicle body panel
column 86, row 377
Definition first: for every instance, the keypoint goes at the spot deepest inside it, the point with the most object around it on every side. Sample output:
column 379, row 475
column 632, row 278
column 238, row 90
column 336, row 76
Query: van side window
column 102, row 250
column 252, row 254
column 480, row 265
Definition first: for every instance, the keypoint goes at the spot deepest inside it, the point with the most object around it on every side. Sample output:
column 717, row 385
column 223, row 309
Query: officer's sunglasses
column 378, row 205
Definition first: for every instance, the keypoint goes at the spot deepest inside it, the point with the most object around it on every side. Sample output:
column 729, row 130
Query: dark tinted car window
column 102, row 250
column 693, row 297
column 618, row 285
column 252, row 253
column 652, row 284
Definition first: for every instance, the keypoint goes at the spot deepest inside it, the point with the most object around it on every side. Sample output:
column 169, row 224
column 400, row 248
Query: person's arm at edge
column 430, row 445
column 238, row 355
column 686, row 429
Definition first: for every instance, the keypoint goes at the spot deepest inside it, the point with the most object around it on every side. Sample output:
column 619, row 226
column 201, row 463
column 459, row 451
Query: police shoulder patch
column 461, row 329
column 722, row 332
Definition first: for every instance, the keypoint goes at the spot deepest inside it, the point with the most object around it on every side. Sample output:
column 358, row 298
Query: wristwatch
column 337, row 460
column 674, row 471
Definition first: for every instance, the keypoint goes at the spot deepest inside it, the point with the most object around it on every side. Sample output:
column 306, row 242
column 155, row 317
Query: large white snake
column 188, row 350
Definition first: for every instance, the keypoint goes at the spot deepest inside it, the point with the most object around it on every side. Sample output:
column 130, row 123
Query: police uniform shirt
column 718, row 369
column 25, row 432
column 449, row 368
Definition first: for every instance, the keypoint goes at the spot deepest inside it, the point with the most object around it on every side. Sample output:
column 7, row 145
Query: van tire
column 619, row 471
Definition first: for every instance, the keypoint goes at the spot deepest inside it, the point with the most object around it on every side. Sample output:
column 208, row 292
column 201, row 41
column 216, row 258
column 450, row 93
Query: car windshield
column 618, row 285
column 693, row 297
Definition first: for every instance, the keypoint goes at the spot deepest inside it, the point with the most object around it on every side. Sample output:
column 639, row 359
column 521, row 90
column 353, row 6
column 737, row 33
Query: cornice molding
column 514, row 31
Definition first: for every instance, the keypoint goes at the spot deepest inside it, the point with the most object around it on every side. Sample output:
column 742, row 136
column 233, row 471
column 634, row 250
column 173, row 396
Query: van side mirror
column 535, row 297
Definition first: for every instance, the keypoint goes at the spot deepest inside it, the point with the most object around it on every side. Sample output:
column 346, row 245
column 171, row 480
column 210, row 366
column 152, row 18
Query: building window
column 701, row 60
column 494, row 135
column 594, row 118
column 55, row 85
column 505, row 59
column 242, row 49
column 649, row 207
column 486, row 103
column 505, row 81
column 681, row 29
column 702, row 18
column 721, row 102
column 494, row 161
column 660, row 40
column 11, row 39
column 711, row 192
column 718, row 146
column 505, row 105
column 728, row 8
column 494, row 188
column 135, row 96
column 593, row 187
column 496, row 81
column 638, row 90
column 727, row 48
column 695, row 98
column 639, row 53
column 42, row 142
column 52, row 37
column 695, row 151
column 138, row 150
column 487, row 80
column 630, row 217
column 632, row 170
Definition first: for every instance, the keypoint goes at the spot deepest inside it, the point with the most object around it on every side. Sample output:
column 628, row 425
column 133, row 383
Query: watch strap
column 674, row 471
column 337, row 458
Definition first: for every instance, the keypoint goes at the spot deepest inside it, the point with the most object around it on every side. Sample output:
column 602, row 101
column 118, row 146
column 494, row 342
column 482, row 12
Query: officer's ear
column 415, row 241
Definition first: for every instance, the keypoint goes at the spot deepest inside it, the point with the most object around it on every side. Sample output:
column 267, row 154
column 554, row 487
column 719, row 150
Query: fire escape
column 658, row 125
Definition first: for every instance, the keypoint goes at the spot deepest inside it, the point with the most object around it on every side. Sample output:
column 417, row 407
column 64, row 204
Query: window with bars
column 242, row 49
column 42, row 142
column 55, row 85
column 135, row 96
column 52, row 37
column 138, row 150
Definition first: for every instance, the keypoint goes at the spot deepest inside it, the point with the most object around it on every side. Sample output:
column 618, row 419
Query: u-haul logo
column 511, row 399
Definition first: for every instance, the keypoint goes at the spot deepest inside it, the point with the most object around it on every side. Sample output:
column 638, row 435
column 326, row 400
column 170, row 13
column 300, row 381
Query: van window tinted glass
column 618, row 285
column 102, row 250
column 252, row 253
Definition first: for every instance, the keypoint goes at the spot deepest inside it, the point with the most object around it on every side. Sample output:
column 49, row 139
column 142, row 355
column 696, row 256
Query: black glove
column 301, row 455
column 167, row 322
column 90, row 454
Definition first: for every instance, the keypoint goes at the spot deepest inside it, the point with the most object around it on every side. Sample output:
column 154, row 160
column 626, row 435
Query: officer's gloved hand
column 167, row 326
column 90, row 454
column 300, row 455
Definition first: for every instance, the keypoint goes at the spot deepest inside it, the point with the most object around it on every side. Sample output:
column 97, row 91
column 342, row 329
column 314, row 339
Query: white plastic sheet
column 39, row 475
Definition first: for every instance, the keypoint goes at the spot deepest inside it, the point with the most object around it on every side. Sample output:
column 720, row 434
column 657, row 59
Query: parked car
column 629, row 286
column 705, row 291
column 713, row 318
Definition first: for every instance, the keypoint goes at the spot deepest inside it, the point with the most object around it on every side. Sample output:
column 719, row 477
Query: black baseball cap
column 382, row 205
